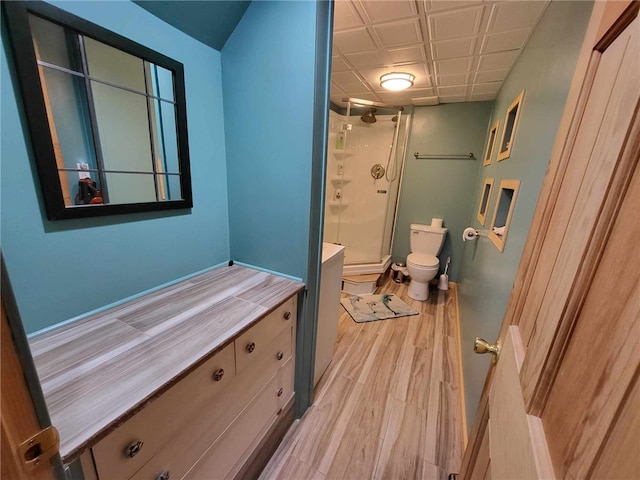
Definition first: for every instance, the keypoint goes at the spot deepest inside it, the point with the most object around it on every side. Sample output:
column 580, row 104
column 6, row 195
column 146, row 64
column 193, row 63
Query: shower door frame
column 390, row 210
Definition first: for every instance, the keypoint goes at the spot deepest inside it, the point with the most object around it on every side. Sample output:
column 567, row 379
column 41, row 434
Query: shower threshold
column 367, row 268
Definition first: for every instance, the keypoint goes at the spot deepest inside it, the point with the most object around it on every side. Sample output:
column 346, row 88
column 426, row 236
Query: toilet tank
column 426, row 239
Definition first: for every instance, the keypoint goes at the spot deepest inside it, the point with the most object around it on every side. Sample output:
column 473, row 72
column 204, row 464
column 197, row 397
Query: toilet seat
column 423, row 260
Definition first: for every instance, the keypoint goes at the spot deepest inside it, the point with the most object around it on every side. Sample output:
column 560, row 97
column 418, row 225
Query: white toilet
column 422, row 263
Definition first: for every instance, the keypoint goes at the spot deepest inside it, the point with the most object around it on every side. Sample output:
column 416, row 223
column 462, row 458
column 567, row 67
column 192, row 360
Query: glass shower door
column 361, row 194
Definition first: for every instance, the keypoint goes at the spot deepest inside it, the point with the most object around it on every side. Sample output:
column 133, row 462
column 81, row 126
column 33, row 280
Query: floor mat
column 369, row 308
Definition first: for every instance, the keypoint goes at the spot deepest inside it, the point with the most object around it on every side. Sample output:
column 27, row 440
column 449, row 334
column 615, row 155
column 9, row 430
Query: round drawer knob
column 251, row 347
column 133, row 448
column 280, row 392
column 218, row 374
column 280, row 356
column 166, row 475
column 287, row 315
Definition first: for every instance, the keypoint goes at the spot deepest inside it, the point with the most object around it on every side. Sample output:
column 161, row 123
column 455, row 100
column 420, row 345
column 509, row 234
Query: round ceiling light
column 396, row 81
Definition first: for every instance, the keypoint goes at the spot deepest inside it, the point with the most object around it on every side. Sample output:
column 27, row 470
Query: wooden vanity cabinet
column 210, row 423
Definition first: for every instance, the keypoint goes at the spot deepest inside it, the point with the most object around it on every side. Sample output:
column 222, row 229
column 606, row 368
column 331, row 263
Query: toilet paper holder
column 471, row 233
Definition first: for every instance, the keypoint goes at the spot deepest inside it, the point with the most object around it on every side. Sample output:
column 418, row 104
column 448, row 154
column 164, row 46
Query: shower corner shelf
column 341, row 155
column 338, row 204
column 338, row 179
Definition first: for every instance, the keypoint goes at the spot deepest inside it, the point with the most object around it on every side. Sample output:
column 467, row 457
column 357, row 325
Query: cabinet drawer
column 285, row 382
column 224, row 454
column 159, row 421
column 188, row 445
column 266, row 364
column 250, row 344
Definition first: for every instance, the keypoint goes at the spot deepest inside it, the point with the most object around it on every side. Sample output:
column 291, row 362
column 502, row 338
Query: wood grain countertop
column 100, row 370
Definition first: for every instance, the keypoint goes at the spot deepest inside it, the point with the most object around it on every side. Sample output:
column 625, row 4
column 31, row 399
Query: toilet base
column 418, row 290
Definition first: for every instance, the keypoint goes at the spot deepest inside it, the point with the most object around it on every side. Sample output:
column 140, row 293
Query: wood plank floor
column 388, row 407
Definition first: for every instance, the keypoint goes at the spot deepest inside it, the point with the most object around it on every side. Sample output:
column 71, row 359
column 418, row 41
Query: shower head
column 369, row 116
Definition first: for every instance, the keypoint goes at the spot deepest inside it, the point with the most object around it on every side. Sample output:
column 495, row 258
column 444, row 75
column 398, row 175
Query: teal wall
column 63, row 269
column 268, row 77
column 544, row 70
column 442, row 188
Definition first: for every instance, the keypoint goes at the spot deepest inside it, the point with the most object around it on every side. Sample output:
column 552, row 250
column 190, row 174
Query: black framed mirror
column 106, row 115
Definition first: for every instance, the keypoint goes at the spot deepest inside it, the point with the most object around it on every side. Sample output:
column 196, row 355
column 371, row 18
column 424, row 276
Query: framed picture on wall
column 510, row 126
column 491, row 143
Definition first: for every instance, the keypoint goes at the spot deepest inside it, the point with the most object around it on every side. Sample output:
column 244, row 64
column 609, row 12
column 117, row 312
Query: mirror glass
column 510, row 126
column 109, row 128
column 484, row 200
column 491, row 142
column 503, row 212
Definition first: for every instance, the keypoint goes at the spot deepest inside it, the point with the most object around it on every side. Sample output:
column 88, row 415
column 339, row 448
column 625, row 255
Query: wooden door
column 564, row 398
column 18, row 420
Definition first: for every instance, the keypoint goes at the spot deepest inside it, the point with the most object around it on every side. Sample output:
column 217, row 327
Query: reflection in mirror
column 503, row 212
column 484, row 200
column 109, row 128
column 491, row 143
column 510, row 126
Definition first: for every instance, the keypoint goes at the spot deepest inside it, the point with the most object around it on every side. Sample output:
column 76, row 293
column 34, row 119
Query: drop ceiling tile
column 395, row 98
column 453, row 99
column 459, row 47
column 455, row 23
column 383, row 11
column 425, row 101
column 413, row 54
column 351, row 41
column 338, row 64
column 421, row 92
column 436, row 5
column 396, row 34
column 482, row 97
column 336, row 90
column 345, row 16
column 449, row 67
column 456, row 79
column 370, row 59
column 452, row 91
column 507, row 16
column 345, row 80
column 499, row 42
column 498, row 61
column 491, row 87
column 491, row 76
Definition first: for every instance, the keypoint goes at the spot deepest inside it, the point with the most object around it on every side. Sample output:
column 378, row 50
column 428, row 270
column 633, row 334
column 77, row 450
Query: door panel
column 602, row 360
column 619, row 457
column 482, row 470
column 603, row 132
column 18, row 420
column 517, row 444
column 564, row 398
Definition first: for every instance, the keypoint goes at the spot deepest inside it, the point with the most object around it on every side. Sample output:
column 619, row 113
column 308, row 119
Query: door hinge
column 36, row 450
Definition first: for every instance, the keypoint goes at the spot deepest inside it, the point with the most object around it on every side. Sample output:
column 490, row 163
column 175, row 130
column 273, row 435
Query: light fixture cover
column 397, row 81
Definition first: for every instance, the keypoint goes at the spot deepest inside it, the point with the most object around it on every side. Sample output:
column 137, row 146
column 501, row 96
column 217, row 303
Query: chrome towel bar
column 460, row 156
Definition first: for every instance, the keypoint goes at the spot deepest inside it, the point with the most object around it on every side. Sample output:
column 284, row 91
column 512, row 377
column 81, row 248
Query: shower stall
column 366, row 154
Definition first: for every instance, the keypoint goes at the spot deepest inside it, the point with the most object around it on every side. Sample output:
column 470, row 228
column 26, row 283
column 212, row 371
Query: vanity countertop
column 98, row 371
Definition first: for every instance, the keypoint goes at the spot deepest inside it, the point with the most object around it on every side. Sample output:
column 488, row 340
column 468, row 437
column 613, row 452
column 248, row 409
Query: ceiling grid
column 458, row 51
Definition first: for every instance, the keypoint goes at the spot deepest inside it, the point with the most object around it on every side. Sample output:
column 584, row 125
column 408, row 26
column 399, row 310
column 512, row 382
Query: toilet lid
column 423, row 260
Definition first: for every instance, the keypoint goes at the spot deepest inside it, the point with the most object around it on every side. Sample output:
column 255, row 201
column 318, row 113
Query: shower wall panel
column 359, row 209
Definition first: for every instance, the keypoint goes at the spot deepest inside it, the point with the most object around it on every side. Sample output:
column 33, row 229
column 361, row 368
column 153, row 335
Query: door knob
column 482, row 346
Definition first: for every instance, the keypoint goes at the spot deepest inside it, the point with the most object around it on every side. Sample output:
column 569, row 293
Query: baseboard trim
column 463, row 406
